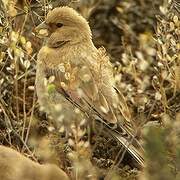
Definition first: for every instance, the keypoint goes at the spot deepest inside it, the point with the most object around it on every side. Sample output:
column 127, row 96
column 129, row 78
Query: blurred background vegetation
column 142, row 38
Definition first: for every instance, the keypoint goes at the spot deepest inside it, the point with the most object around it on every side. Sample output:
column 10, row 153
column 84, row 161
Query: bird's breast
column 75, row 55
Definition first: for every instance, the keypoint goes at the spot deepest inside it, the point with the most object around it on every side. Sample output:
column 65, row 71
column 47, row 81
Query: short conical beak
column 43, row 25
column 42, row 29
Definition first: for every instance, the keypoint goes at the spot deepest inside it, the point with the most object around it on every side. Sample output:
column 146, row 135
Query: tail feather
column 136, row 155
column 126, row 141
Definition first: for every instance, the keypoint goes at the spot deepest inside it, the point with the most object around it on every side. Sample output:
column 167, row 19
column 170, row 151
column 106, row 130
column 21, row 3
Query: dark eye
column 59, row 25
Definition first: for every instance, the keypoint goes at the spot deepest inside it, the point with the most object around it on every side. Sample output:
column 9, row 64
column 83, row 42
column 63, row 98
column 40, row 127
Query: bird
column 77, row 73
column 15, row 166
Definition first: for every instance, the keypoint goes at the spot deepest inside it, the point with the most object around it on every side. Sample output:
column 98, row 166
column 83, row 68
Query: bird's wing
column 80, row 82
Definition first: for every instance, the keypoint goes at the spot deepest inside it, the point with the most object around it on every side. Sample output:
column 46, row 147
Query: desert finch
column 71, row 72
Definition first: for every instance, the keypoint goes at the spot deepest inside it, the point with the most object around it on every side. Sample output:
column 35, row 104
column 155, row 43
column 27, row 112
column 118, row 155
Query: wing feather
column 83, row 89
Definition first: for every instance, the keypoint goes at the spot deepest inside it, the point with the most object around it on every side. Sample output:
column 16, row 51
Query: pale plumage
column 82, row 73
column 71, row 57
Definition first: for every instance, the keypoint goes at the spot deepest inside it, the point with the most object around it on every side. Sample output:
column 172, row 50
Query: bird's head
column 64, row 25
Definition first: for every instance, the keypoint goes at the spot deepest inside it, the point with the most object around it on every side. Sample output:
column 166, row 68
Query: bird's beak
column 42, row 29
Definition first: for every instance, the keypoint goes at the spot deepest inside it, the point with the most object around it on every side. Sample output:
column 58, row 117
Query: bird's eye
column 59, row 25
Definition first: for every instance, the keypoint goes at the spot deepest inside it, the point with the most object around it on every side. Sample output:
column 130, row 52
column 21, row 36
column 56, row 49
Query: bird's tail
column 127, row 141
